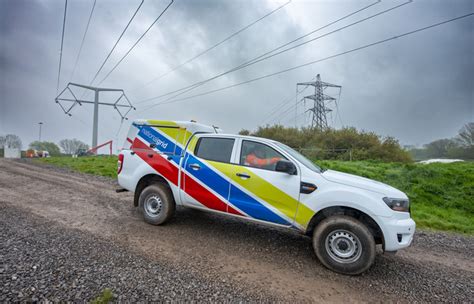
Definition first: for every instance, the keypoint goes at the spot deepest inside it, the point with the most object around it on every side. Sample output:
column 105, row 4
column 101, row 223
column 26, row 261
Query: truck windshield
column 306, row 162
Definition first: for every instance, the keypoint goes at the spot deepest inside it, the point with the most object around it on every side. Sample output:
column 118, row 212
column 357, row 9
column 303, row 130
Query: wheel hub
column 153, row 205
column 343, row 246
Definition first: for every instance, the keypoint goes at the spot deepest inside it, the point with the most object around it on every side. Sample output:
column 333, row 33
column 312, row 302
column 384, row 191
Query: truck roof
column 192, row 126
column 262, row 139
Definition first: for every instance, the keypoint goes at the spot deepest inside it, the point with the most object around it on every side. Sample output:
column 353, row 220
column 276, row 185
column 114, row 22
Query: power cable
column 214, row 46
column 294, row 47
column 282, row 104
column 83, row 39
column 253, row 60
column 118, row 40
column 315, row 61
column 337, row 107
column 288, row 109
column 61, row 51
column 135, row 44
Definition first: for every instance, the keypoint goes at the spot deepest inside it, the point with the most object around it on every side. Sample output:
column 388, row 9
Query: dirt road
column 256, row 262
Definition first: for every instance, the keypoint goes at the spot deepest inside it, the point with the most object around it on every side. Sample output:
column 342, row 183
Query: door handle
column 243, row 175
column 150, row 155
column 195, row 166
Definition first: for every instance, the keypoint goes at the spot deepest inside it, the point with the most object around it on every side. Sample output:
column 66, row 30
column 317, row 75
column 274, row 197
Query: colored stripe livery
column 162, row 145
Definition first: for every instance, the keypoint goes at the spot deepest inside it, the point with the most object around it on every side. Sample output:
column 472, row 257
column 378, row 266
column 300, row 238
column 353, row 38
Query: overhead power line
column 118, row 40
column 135, row 44
column 315, row 61
column 214, row 46
column 286, row 111
column 258, row 58
column 283, row 103
column 61, row 51
column 83, row 39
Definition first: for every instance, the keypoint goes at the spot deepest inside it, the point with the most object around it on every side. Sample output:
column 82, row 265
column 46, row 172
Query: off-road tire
column 156, row 204
column 340, row 231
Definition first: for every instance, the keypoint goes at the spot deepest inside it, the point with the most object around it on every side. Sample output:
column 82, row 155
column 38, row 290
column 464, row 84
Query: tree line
column 69, row 146
column 461, row 146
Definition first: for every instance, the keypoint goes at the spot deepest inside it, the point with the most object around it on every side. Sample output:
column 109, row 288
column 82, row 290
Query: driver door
column 259, row 190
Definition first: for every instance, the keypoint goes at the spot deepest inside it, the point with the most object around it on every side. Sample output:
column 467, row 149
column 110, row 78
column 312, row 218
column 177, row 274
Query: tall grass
column 441, row 195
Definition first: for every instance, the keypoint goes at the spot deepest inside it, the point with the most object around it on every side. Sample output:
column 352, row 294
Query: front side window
column 214, row 149
column 309, row 164
column 258, row 155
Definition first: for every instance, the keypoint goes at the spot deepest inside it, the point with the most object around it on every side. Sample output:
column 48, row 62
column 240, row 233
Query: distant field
column 442, row 195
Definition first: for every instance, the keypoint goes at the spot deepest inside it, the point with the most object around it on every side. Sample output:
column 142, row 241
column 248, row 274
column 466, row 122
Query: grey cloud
column 417, row 88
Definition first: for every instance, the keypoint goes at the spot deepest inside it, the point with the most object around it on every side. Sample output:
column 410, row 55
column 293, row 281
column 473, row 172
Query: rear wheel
column 344, row 245
column 157, row 204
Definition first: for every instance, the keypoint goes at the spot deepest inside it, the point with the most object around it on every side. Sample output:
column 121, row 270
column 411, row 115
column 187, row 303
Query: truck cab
column 169, row 163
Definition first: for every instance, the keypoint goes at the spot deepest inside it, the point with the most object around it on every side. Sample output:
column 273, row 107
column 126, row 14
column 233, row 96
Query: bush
column 336, row 144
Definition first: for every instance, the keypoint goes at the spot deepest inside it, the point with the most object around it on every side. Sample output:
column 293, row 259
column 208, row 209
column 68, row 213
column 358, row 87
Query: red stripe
column 170, row 172
column 205, row 197
column 129, row 140
column 164, row 167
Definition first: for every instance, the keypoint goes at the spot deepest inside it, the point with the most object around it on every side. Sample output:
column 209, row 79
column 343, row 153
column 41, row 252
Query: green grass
column 105, row 297
column 442, row 195
column 96, row 165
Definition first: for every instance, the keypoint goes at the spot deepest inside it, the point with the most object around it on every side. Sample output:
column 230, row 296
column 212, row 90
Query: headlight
column 397, row 204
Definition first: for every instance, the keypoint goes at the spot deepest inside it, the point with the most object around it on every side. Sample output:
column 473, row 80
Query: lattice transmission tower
column 320, row 102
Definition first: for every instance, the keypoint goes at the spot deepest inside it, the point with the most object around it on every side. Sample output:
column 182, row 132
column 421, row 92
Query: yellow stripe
column 270, row 194
column 192, row 144
column 180, row 135
column 167, row 123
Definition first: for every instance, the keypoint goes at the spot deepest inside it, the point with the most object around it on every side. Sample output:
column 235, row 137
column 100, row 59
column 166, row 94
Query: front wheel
column 344, row 244
column 157, row 204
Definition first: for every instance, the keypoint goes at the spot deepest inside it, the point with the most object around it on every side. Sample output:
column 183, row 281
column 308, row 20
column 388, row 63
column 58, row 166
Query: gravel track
column 43, row 261
column 56, row 217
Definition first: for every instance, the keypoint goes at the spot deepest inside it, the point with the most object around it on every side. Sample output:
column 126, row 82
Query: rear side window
column 215, row 149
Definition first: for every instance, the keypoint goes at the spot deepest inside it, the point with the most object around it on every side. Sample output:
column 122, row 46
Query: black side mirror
column 285, row 166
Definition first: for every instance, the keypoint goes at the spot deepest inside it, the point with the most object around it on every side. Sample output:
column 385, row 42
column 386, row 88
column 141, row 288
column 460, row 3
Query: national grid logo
column 159, row 143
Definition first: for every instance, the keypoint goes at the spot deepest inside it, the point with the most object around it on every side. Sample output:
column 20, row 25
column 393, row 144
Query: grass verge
column 96, row 165
column 442, row 195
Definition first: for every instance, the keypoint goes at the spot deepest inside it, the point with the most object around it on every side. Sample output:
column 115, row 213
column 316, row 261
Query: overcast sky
column 416, row 88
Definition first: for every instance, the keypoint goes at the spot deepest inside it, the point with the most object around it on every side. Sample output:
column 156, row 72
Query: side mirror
column 285, row 166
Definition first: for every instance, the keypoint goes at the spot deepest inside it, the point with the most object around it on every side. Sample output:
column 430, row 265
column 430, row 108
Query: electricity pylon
column 320, row 100
column 96, row 103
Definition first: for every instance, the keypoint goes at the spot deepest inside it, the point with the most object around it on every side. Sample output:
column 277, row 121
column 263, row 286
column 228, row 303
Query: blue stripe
column 253, row 208
column 208, row 177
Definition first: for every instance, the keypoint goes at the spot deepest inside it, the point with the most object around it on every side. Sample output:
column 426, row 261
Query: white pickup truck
column 169, row 163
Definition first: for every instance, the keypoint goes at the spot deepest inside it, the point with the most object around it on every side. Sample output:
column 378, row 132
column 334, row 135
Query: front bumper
column 398, row 233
